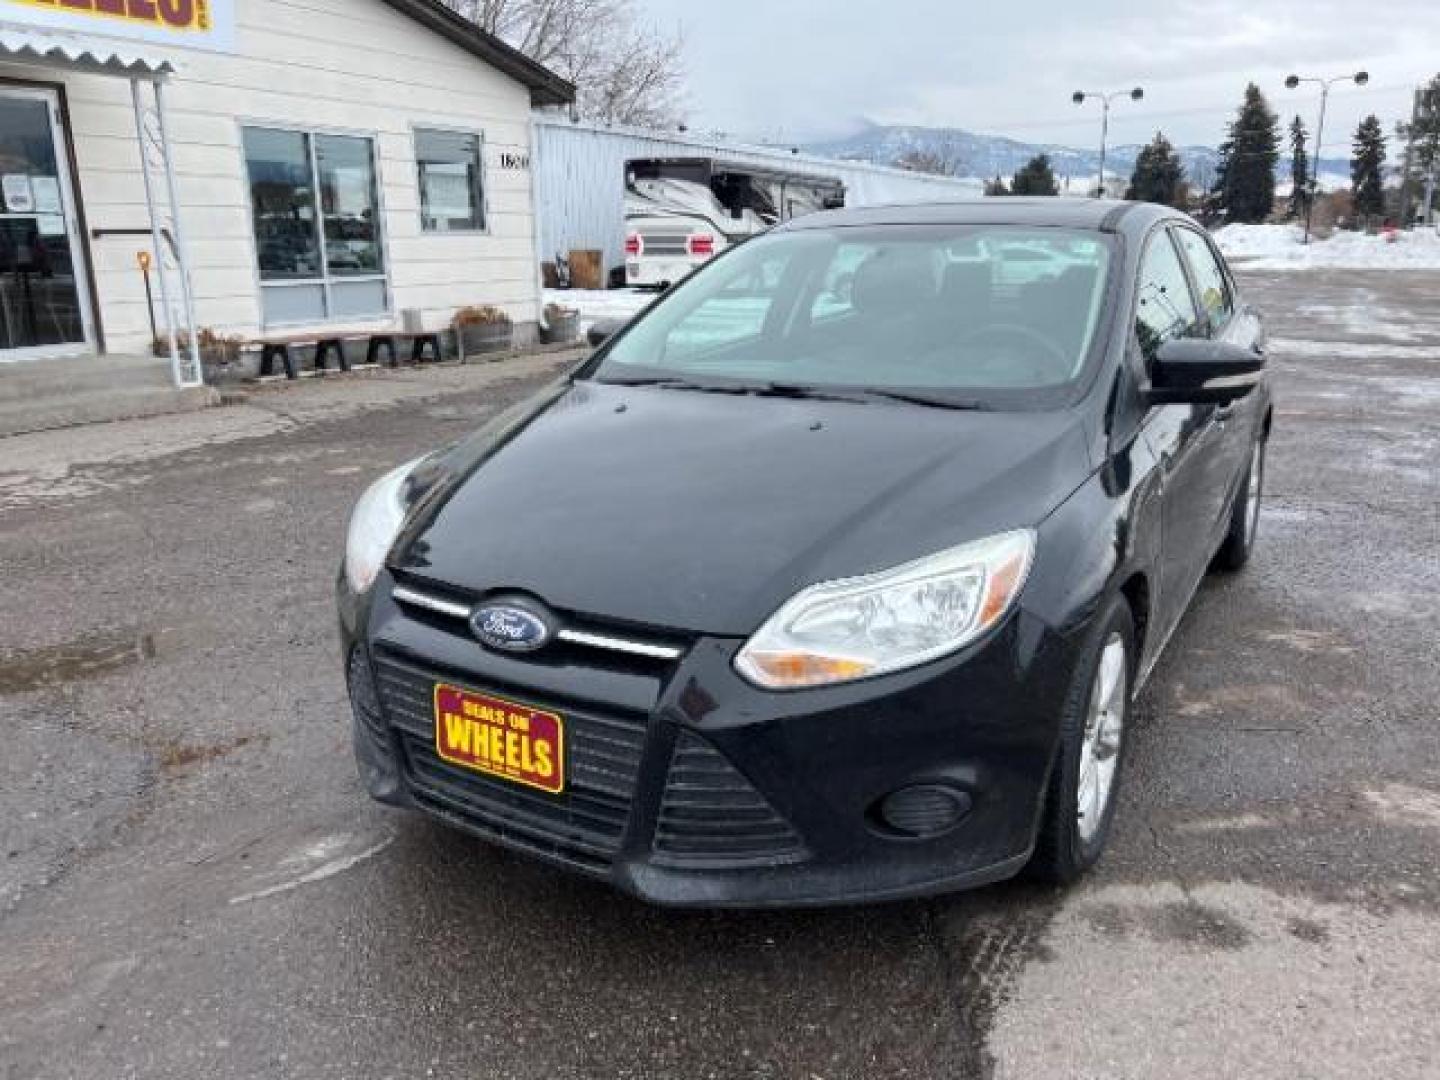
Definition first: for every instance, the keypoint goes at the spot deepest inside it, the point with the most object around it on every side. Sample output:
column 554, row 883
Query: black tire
column 1239, row 540
column 1062, row 854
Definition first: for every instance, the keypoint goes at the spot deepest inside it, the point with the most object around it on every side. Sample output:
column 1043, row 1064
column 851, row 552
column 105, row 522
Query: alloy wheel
column 1104, row 730
column 1252, row 492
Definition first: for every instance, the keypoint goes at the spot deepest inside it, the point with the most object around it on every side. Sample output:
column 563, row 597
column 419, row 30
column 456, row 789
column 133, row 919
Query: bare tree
column 624, row 71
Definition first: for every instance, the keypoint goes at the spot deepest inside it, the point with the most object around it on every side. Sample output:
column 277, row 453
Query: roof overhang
column 79, row 52
column 546, row 88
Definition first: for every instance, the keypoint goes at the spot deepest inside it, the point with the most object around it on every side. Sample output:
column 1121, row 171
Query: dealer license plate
column 500, row 738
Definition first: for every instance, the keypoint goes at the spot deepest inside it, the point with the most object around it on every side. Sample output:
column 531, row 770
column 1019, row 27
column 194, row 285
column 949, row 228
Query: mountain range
column 968, row 154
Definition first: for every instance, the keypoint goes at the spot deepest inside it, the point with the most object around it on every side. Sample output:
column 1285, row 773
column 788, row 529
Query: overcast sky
column 794, row 70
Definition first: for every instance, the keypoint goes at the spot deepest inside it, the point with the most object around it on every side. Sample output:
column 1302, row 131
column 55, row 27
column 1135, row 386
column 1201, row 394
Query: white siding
column 350, row 65
column 580, row 178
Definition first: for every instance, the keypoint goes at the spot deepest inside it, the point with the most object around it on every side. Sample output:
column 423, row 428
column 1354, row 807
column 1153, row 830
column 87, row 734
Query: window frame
column 327, row 280
column 483, row 178
column 1213, row 326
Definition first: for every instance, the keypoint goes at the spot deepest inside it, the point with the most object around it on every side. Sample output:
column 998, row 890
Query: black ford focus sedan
column 831, row 577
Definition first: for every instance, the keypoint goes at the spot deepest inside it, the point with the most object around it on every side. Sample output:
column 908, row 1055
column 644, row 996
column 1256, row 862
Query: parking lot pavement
column 191, row 883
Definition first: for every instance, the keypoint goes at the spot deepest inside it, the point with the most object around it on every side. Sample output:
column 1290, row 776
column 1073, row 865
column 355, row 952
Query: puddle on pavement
column 87, row 657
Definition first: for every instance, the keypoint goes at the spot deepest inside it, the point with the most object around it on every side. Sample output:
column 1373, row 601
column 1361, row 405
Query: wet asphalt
column 192, row 884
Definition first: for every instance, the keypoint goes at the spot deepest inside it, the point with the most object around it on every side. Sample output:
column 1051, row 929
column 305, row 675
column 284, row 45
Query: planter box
column 562, row 329
column 479, row 338
column 226, row 367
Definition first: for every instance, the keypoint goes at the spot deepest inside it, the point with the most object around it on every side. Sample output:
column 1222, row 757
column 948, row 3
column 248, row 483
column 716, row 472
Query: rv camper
column 681, row 212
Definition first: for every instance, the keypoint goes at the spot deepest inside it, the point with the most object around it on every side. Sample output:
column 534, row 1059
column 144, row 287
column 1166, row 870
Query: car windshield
column 998, row 315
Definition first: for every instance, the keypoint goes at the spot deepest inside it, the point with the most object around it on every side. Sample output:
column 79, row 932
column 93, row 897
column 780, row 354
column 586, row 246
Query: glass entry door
column 44, row 302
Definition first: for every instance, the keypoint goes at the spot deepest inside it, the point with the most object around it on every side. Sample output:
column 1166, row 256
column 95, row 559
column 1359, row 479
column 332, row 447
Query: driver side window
column 1164, row 306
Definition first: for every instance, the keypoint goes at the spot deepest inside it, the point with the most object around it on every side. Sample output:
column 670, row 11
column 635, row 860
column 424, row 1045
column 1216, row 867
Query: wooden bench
column 327, row 340
column 418, row 340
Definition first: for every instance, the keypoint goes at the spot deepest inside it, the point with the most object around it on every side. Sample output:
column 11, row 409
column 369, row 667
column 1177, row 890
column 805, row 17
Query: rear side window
column 1164, row 307
column 1210, row 283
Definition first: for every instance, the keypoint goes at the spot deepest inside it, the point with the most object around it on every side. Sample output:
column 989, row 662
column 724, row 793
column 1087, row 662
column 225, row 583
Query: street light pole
column 1079, row 99
column 1360, row 78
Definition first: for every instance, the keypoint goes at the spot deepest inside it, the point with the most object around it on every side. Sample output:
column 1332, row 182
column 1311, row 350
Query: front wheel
column 1080, row 801
column 1244, row 515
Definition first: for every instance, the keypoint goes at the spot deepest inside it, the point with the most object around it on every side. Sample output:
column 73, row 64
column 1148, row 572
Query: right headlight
column 839, row 631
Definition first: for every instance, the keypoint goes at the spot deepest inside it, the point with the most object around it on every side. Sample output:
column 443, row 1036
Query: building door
column 44, row 297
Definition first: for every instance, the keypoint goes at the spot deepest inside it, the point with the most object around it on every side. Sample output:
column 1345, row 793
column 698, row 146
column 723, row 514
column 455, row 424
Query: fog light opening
column 921, row 811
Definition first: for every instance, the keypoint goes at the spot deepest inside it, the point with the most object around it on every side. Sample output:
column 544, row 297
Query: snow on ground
column 1280, row 247
column 595, row 305
column 1299, row 348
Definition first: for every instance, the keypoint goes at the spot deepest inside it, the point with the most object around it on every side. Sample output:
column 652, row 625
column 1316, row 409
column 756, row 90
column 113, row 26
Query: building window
column 452, row 183
column 316, row 209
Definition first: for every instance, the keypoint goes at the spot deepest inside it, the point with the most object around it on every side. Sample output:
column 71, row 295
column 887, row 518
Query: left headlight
column 858, row 628
column 374, row 525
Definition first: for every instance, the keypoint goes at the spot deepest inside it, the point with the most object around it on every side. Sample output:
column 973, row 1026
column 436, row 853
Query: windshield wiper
column 674, row 382
column 932, row 401
column 802, row 391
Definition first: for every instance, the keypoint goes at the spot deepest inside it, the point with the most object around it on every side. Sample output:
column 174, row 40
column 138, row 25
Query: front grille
column 582, row 827
column 712, row 816
column 666, row 243
column 593, row 643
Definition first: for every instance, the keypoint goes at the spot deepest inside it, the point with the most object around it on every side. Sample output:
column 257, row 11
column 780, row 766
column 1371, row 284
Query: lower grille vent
column 712, row 816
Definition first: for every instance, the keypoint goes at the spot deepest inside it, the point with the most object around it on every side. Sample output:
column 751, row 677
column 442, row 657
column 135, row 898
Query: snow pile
column 1281, row 247
column 597, row 305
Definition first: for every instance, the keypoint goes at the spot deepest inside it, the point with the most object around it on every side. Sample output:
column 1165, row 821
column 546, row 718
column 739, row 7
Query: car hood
column 703, row 512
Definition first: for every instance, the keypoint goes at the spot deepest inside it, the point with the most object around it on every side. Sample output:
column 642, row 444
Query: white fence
column 580, row 179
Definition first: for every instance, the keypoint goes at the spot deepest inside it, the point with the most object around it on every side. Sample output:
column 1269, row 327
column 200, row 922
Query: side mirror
column 603, row 330
column 1191, row 371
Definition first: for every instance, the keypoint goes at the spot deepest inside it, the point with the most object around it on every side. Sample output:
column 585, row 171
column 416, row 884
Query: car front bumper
column 686, row 786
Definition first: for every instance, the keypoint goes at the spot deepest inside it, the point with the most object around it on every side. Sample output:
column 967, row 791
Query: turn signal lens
column 777, row 670
column 839, row 631
column 1001, row 586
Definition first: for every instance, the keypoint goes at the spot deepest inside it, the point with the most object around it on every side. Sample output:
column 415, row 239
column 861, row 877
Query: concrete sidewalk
column 56, row 466
column 42, row 395
column 50, row 395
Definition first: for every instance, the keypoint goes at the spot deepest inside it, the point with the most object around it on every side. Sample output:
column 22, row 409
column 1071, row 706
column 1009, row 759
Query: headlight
column 838, row 631
column 374, row 525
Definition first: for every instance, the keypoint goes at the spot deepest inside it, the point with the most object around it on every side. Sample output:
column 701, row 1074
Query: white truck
column 681, row 212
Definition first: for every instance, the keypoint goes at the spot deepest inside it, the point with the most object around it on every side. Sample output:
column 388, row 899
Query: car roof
column 1106, row 215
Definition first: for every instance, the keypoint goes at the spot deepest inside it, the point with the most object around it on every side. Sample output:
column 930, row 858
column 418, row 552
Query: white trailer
column 580, row 179
column 682, row 212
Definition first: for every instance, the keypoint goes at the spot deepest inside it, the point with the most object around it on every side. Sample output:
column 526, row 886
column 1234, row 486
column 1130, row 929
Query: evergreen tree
column 996, row 187
column 1246, row 186
column 1425, row 131
column 1159, row 177
column 1366, row 165
column 1223, row 153
column 1299, row 168
column 1035, row 177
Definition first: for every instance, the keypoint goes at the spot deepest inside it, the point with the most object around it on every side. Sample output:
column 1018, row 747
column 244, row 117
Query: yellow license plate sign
column 500, row 738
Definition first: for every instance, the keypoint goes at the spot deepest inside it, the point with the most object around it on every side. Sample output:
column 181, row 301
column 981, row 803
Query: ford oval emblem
column 510, row 628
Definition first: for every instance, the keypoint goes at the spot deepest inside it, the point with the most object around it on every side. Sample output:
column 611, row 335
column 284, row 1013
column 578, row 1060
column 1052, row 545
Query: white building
column 332, row 162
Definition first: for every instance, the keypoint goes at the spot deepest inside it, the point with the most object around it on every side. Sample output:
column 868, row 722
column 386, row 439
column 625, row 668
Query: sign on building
column 191, row 24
